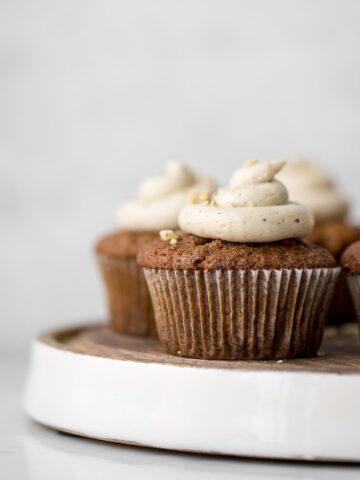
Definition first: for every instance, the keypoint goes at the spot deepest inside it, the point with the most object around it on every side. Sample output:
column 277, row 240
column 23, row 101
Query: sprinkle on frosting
column 159, row 199
column 198, row 196
column 254, row 208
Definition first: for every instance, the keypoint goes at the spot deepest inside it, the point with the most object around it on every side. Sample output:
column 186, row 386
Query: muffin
column 156, row 206
column 238, row 282
column 350, row 262
column 336, row 236
column 311, row 186
column 129, row 304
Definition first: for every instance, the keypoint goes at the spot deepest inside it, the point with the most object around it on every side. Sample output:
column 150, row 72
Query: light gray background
column 95, row 95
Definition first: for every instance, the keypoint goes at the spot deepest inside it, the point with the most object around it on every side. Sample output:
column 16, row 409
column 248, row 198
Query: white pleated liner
column 241, row 314
column 129, row 303
column 354, row 287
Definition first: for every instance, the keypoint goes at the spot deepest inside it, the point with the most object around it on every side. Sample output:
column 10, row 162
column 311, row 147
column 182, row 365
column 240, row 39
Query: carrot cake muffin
column 156, row 206
column 312, row 186
column 237, row 282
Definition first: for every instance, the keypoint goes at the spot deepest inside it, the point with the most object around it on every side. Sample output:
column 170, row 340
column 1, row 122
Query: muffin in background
column 238, row 282
column 129, row 304
column 350, row 261
column 310, row 185
column 156, row 206
column 336, row 237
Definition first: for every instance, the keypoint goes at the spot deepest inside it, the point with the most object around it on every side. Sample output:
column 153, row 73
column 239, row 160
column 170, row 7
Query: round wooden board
column 93, row 382
column 340, row 352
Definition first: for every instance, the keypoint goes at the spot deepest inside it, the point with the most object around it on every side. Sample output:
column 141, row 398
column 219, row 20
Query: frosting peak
column 253, row 185
column 175, row 177
column 159, row 199
column 253, row 173
column 254, row 208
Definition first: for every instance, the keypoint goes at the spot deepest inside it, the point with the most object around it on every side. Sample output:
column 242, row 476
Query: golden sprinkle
column 204, row 196
column 250, row 163
column 192, row 197
column 195, row 196
column 167, row 235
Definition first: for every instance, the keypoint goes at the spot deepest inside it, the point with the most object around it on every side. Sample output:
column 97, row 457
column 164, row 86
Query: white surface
column 92, row 93
column 31, row 452
column 265, row 414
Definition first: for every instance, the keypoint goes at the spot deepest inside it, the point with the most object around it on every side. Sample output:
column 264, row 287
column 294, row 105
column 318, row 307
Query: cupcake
column 156, row 206
column 238, row 282
column 350, row 262
column 310, row 185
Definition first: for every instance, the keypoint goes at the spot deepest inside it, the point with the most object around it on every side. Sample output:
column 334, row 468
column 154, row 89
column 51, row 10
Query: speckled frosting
column 254, row 208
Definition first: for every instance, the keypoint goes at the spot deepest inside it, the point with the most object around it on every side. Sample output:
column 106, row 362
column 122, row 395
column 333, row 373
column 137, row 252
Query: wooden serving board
column 340, row 352
column 94, row 382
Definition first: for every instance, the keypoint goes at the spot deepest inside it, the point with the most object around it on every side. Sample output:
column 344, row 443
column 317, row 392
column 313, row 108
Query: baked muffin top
column 123, row 244
column 350, row 259
column 193, row 252
column 335, row 236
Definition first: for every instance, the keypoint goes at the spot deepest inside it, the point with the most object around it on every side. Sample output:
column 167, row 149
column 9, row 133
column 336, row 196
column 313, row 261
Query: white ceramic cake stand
column 91, row 382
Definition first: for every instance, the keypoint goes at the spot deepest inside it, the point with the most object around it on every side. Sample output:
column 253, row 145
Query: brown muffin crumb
column 350, row 259
column 192, row 252
column 335, row 236
column 123, row 243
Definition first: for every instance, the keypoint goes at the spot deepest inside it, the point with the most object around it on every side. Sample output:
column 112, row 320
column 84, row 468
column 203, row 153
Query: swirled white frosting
column 311, row 186
column 254, row 208
column 159, row 199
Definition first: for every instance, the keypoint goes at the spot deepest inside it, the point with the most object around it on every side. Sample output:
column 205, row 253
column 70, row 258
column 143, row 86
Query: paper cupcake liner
column 241, row 314
column 354, row 287
column 129, row 302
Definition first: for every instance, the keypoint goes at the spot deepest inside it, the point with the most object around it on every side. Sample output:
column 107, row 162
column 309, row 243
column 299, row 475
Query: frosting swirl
column 159, row 199
column 311, row 186
column 254, row 208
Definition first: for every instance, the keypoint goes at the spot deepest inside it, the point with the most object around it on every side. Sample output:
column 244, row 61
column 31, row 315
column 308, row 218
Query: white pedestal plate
column 92, row 382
